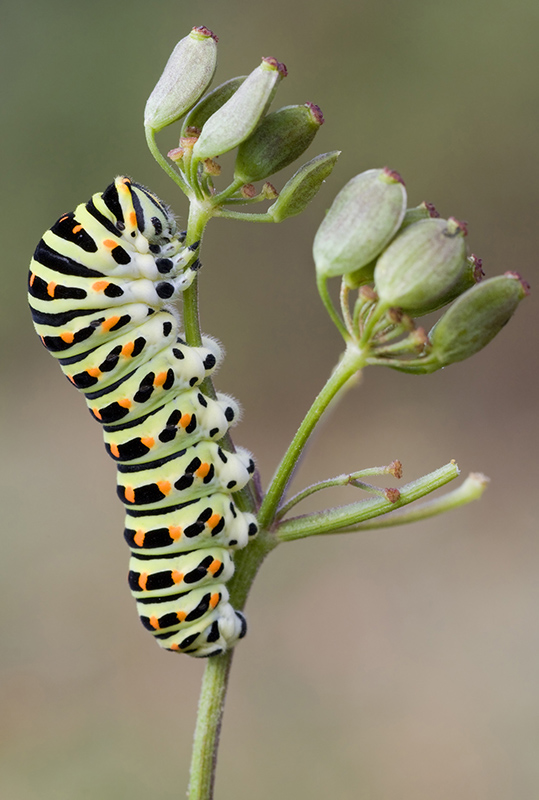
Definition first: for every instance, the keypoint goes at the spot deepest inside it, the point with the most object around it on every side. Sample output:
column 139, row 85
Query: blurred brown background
column 382, row 666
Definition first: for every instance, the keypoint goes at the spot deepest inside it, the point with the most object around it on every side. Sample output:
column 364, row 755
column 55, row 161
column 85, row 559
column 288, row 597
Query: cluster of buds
column 235, row 116
column 405, row 264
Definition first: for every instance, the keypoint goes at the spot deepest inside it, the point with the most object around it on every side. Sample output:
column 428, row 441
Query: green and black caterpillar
column 102, row 286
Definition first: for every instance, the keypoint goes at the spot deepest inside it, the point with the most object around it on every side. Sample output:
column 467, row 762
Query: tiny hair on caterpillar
column 102, row 286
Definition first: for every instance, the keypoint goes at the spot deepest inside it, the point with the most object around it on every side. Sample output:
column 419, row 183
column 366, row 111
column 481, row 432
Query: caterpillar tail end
column 220, row 636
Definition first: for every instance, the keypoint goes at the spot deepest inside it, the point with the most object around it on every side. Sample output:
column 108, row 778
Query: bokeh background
column 399, row 665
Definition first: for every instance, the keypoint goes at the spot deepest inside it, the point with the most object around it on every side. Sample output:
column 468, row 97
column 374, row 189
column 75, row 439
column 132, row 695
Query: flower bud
column 421, row 265
column 363, row 218
column 298, row 192
column 234, row 121
column 280, row 138
column 187, row 74
column 210, row 103
column 476, row 317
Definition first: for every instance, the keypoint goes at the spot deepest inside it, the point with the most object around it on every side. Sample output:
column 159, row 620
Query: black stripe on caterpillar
column 102, row 286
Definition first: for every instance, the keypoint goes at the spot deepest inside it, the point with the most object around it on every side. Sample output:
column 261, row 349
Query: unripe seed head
column 298, row 192
column 476, row 317
column 422, row 265
column 471, row 274
column 422, row 211
column 363, row 218
column 236, row 119
column 210, row 103
column 186, row 76
column 278, row 140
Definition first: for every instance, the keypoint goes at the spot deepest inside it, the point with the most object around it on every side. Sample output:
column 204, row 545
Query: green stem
column 163, row 163
column 335, row 520
column 345, row 307
column 220, row 198
column 322, row 285
column 246, row 216
column 346, row 479
column 199, row 214
column 472, row 489
column 208, row 727
column 247, row 562
column 352, row 361
column 216, row 675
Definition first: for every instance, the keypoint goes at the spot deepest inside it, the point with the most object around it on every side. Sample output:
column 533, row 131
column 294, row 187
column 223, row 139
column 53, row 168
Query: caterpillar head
column 139, row 211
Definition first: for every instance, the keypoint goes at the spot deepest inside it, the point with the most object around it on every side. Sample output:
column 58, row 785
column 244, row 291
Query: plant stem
column 163, row 163
column 208, row 727
column 215, row 681
column 346, row 479
column 246, row 216
column 322, row 286
column 352, row 361
column 335, row 520
column 248, row 561
column 472, row 489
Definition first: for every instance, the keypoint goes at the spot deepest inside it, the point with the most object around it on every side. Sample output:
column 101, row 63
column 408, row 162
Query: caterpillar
column 102, row 286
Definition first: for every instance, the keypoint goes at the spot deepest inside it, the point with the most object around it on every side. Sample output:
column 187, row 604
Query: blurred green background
column 382, row 666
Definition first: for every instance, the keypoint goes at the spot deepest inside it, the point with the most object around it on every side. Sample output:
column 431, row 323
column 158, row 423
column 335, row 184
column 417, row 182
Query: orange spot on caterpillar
column 214, row 566
column 174, row 532
column 110, row 244
column 100, row 286
column 96, row 412
column 32, row 278
column 213, row 521
column 203, row 470
column 164, row 486
column 67, row 337
column 148, row 441
column 160, row 379
column 154, row 622
column 174, row 646
column 181, row 615
column 94, row 372
column 129, row 494
column 70, row 378
column 143, row 580
column 51, row 286
column 214, row 599
column 110, row 323
column 125, row 402
column 114, row 450
column 133, row 219
column 66, row 216
column 128, row 348
column 185, row 420
column 139, row 537
column 77, row 228
column 176, row 576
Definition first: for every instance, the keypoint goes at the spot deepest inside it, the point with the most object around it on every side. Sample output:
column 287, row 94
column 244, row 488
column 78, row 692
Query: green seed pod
column 476, row 317
column 472, row 274
column 186, row 76
column 422, row 211
column 235, row 121
column 208, row 105
column 363, row 218
column 280, row 138
column 298, row 192
column 361, row 276
column 421, row 265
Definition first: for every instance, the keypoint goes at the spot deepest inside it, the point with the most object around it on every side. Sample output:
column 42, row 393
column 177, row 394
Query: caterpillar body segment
column 102, row 287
